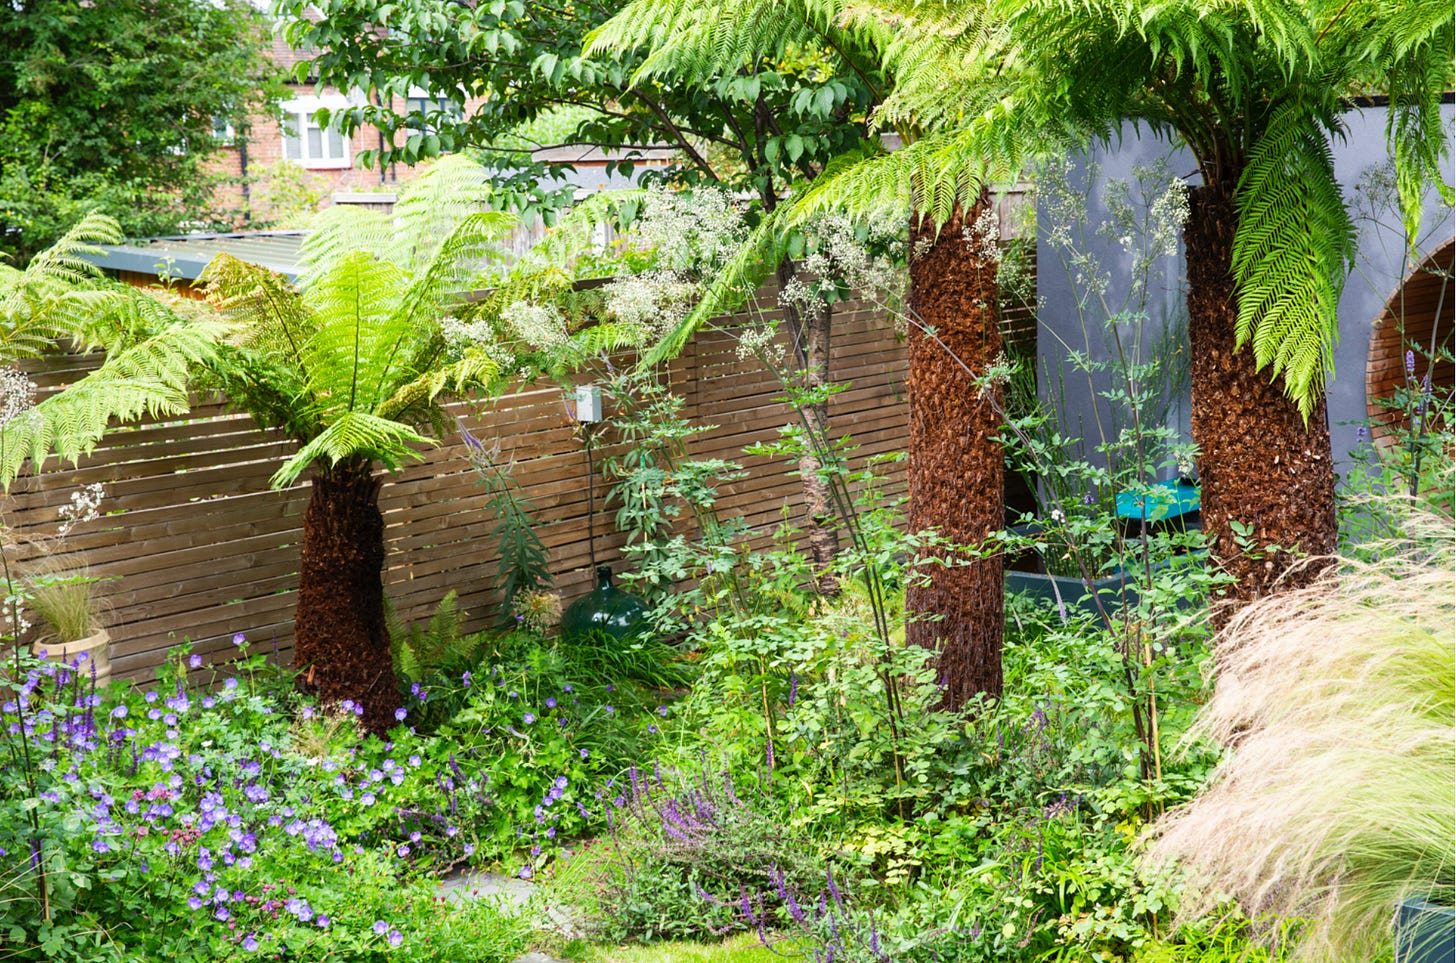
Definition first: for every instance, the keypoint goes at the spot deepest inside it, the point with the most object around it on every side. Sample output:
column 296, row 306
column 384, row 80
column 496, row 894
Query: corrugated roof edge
column 172, row 254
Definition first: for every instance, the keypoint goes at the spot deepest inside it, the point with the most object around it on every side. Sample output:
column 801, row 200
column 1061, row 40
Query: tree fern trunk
column 1260, row 464
column 341, row 647
column 956, row 471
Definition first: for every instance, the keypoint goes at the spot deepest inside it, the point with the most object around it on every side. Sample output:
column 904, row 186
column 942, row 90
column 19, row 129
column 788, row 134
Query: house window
column 309, row 144
column 428, row 105
column 223, row 132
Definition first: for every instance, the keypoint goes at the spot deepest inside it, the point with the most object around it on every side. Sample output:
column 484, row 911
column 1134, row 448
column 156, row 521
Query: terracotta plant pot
column 96, row 646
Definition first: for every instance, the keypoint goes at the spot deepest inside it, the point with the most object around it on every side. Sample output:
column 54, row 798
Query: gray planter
column 1116, row 590
column 1424, row 932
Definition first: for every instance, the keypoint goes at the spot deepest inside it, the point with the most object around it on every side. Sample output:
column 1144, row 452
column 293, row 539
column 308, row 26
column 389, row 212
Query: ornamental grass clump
column 1338, row 796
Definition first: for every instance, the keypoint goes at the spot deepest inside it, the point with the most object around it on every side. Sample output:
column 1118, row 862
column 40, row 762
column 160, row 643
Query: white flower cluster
column 13, row 620
column 85, row 505
column 653, row 302
column 838, row 259
column 17, row 394
column 539, row 325
column 761, row 341
column 1167, row 216
column 465, row 334
column 1150, row 225
column 694, row 232
column 984, row 235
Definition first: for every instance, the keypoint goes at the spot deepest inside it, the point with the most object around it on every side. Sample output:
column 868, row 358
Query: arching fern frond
column 148, row 378
column 455, row 267
column 431, row 205
column 340, row 230
column 1411, row 46
column 1292, row 249
column 359, row 332
column 475, row 369
column 355, row 434
column 54, row 299
column 270, row 313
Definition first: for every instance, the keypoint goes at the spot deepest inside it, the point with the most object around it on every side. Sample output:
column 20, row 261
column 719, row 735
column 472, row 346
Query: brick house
column 287, row 166
column 320, row 162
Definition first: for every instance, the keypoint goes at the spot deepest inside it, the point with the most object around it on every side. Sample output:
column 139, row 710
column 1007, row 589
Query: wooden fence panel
column 195, row 546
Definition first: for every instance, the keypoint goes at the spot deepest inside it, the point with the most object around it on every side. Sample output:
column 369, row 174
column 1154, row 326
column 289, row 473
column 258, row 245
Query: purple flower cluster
column 151, row 791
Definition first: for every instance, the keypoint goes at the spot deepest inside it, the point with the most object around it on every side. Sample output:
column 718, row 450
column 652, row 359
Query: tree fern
column 351, row 361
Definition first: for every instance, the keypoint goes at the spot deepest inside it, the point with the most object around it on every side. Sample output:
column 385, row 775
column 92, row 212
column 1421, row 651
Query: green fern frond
column 1292, row 249
column 431, row 205
column 148, row 378
column 456, row 264
column 359, row 332
column 475, row 369
column 340, row 230
column 54, row 299
column 1412, row 48
column 354, row 434
column 64, row 263
column 271, row 315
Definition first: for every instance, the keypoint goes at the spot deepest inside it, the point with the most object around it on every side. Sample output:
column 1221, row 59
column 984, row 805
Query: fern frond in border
column 149, row 378
column 353, row 434
column 54, row 298
column 1292, row 249
column 475, row 369
column 359, row 331
column 272, row 317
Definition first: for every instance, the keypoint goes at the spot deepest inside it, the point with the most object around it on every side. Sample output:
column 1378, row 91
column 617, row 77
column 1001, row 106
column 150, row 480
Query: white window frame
column 440, row 102
column 336, row 149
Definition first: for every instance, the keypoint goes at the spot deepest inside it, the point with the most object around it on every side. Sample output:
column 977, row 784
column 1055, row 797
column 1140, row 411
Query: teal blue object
column 1163, row 500
column 606, row 610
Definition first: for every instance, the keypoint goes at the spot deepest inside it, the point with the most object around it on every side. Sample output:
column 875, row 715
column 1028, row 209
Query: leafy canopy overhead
column 114, row 105
column 776, row 110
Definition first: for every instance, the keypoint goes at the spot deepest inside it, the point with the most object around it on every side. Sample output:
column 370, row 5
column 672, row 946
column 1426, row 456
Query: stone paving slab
column 511, row 893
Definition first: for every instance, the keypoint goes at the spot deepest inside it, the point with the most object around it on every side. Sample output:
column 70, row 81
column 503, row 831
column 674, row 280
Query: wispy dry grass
column 1338, row 796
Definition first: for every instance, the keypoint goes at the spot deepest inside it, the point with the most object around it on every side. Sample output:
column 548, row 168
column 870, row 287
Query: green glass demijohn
column 606, row 610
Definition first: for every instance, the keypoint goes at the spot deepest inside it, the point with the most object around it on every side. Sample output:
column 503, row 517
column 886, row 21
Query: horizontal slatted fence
column 193, row 544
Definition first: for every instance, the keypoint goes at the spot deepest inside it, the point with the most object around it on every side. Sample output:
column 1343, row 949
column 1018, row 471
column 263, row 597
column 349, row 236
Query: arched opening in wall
column 1418, row 318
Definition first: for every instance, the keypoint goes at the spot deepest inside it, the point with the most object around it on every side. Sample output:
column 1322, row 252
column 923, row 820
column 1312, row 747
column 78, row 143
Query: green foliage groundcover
column 219, row 814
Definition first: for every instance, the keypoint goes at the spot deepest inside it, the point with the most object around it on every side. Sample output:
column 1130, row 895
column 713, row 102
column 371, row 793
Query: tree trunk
column 811, row 338
column 956, row 471
column 810, row 330
column 340, row 644
column 1259, row 463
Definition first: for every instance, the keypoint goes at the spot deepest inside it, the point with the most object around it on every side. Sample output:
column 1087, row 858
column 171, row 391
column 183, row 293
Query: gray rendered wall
column 1382, row 263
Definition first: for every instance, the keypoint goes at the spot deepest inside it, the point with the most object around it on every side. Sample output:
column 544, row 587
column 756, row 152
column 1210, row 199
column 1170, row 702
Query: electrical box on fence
column 588, row 404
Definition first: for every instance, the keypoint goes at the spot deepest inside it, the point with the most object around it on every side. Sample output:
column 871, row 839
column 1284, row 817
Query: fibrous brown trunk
column 1260, row 464
column 956, row 471
column 341, row 648
column 811, row 328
